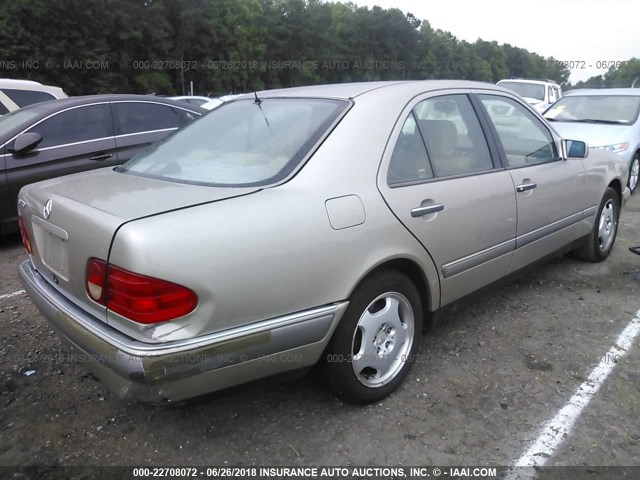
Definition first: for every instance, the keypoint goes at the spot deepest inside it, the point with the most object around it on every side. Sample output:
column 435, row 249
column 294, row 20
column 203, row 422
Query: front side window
column 22, row 98
column 13, row 120
column 3, row 109
column 524, row 139
column 241, row 143
column 76, row 125
column 605, row 109
column 137, row 117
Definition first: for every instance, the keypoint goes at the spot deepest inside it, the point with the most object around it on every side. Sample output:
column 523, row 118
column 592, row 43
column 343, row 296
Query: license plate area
column 53, row 246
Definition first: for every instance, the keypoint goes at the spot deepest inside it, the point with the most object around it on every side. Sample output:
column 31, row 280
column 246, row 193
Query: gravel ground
column 495, row 368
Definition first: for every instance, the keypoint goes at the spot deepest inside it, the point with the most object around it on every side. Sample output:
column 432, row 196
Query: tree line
column 228, row 46
column 620, row 74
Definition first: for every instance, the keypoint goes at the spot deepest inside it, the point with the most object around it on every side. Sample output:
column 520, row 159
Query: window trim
column 146, row 132
column 496, row 136
column 494, row 152
column 439, row 179
column 72, row 144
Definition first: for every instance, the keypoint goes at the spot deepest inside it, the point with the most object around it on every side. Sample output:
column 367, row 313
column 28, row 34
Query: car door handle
column 526, row 186
column 426, row 210
column 102, row 156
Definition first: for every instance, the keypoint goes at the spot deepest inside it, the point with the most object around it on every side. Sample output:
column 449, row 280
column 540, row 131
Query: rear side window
column 409, row 161
column 441, row 137
column 137, row 117
column 241, row 143
column 454, row 138
column 3, row 109
column 22, row 98
column 76, row 125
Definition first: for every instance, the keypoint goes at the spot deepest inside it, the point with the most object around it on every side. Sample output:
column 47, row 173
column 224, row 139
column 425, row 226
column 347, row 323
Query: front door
column 550, row 191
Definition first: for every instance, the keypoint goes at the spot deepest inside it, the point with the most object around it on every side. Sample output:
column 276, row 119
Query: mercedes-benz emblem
column 46, row 211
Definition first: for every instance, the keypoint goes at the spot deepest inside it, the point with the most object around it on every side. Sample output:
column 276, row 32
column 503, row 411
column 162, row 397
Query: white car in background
column 216, row 102
column 196, row 100
column 15, row 94
column 537, row 93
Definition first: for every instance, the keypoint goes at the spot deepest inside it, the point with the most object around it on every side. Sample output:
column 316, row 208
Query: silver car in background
column 317, row 224
column 607, row 119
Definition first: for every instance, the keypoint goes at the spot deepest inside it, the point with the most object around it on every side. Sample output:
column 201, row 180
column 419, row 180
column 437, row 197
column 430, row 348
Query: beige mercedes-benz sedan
column 318, row 224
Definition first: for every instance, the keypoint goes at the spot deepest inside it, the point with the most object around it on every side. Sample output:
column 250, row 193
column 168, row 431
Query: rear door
column 442, row 179
column 138, row 124
column 76, row 139
column 550, row 191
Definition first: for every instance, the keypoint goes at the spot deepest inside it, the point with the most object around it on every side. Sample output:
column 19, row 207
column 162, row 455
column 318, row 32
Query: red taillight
column 26, row 243
column 96, row 280
column 137, row 297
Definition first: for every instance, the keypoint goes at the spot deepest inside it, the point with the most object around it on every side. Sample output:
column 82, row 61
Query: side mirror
column 25, row 142
column 575, row 149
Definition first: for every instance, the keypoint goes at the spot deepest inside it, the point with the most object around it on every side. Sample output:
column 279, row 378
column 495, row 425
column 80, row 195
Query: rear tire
column 600, row 242
column 376, row 341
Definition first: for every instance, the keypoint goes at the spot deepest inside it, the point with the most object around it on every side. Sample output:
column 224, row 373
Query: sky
column 588, row 32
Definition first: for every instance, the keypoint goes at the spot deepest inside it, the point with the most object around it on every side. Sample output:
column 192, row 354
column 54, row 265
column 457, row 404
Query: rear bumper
column 158, row 373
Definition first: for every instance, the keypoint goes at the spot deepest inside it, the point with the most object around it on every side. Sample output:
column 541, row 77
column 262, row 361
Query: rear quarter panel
column 275, row 252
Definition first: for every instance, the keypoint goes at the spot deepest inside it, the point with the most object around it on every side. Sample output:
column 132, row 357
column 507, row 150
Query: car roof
column 186, row 97
column 348, row 91
column 6, row 82
column 632, row 92
column 55, row 105
column 524, row 80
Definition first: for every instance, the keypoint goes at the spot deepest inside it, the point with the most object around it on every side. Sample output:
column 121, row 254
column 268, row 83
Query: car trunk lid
column 71, row 219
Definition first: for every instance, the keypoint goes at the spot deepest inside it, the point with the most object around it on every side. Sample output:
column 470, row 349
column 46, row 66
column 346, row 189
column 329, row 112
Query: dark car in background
column 65, row 136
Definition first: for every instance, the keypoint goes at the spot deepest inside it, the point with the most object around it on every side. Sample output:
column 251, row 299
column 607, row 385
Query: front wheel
column 375, row 343
column 600, row 242
column 634, row 172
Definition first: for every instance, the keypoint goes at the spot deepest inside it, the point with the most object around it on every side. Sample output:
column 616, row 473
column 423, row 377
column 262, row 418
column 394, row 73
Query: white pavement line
column 558, row 427
column 14, row 294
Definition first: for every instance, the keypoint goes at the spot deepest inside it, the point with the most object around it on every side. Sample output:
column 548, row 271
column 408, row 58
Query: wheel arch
column 415, row 273
column 617, row 186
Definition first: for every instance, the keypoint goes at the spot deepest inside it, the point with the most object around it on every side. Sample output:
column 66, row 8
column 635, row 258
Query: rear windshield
column 22, row 98
column 530, row 90
column 241, row 143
